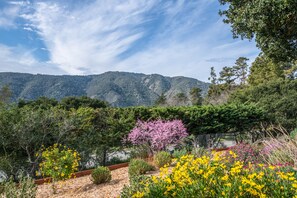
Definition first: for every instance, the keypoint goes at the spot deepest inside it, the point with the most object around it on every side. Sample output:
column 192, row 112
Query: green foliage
column 41, row 102
column 210, row 177
column 5, row 94
column 206, row 119
column 200, row 151
column 180, row 99
column 278, row 98
column 227, row 76
column 178, row 153
column 33, row 128
column 82, row 101
column 94, row 133
column 138, row 167
column 263, row 70
column 161, row 100
column 240, row 69
column 237, row 72
column 271, row 22
column 196, row 96
column 66, row 103
column 59, row 162
column 293, row 134
column 1, row 188
column 230, row 79
column 141, row 151
column 101, row 175
column 137, row 183
column 162, row 158
column 24, row 189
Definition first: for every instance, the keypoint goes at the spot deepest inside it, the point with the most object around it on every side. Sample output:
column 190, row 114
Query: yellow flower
column 225, row 178
column 169, row 188
column 138, row 195
column 271, row 167
column 155, row 180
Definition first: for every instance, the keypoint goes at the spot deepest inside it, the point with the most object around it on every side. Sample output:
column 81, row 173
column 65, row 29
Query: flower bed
column 217, row 176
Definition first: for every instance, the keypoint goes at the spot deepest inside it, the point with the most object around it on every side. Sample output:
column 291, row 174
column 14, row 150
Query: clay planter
column 81, row 173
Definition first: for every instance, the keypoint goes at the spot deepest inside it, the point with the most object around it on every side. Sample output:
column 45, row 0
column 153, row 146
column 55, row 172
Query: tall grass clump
column 24, row 189
column 162, row 158
column 101, row 175
column 138, row 167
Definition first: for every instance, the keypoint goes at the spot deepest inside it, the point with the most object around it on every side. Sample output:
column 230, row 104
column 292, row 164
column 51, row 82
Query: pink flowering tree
column 158, row 134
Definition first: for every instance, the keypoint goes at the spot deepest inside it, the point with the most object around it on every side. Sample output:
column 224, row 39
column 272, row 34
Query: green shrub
column 293, row 134
column 59, row 162
column 101, row 175
column 178, row 153
column 141, row 151
column 24, row 189
column 162, row 158
column 138, row 167
column 200, row 151
column 137, row 183
column 1, row 188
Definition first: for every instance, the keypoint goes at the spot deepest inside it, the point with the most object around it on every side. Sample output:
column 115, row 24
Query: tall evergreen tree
column 161, row 100
column 5, row 94
column 196, row 96
column 240, row 69
column 263, row 69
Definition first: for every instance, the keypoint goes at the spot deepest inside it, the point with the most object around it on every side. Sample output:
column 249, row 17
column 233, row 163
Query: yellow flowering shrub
column 218, row 176
column 59, row 162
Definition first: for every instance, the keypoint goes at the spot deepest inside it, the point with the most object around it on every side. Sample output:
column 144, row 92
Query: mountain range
column 120, row 89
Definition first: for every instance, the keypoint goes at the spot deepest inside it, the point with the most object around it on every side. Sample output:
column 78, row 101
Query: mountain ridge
column 120, row 89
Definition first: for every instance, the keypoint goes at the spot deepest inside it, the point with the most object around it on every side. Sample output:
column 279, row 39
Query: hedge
column 98, row 131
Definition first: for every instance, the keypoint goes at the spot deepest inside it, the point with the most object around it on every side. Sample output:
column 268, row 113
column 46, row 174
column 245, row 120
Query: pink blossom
column 158, row 134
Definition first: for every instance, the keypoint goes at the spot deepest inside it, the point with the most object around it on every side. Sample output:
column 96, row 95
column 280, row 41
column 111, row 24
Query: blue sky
column 172, row 37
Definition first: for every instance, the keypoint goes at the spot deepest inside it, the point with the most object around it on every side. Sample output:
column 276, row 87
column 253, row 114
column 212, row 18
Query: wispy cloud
column 19, row 59
column 166, row 37
column 8, row 15
column 90, row 37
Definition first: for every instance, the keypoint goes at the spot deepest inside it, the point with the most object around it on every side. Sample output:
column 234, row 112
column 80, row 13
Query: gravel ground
column 83, row 187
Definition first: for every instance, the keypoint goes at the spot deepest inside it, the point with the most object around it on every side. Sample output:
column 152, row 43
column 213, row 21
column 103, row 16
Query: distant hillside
column 118, row 88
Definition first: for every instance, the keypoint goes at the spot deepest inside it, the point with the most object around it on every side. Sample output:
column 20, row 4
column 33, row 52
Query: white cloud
column 18, row 59
column 91, row 36
column 8, row 15
column 182, row 38
column 192, row 57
